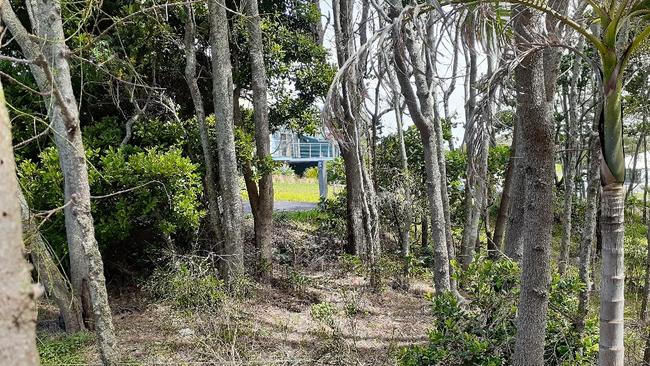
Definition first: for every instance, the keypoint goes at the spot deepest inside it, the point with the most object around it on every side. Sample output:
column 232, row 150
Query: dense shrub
column 482, row 331
column 136, row 191
column 311, row 172
column 187, row 283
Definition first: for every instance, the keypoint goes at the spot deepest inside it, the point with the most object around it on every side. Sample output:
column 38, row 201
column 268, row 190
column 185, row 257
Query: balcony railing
column 305, row 151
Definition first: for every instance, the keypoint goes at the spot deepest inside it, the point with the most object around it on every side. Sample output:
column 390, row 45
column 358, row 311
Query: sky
column 457, row 100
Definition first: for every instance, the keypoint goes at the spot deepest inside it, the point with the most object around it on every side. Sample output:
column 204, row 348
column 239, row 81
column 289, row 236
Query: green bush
column 187, row 283
column 311, row 172
column 136, row 190
column 482, row 331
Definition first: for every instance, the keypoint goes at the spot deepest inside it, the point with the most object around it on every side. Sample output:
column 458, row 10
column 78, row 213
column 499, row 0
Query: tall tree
column 538, row 146
column 262, row 197
column 362, row 214
column 407, row 47
column 17, row 306
column 222, row 86
column 211, row 182
column 46, row 53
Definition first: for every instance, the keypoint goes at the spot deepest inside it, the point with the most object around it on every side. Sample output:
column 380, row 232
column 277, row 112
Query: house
column 301, row 152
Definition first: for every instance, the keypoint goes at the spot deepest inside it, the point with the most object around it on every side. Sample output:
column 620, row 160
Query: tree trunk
column 264, row 210
column 420, row 104
column 612, row 177
column 504, row 205
column 49, row 274
column 571, row 157
column 211, row 183
column 589, row 230
column 538, row 146
column 231, row 220
column 475, row 181
column 362, row 216
column 612, row 287
column 17, row 306
column 513, row 247
column 52, row 73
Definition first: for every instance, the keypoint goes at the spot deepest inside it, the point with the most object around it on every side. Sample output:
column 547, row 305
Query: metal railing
column 306, row 150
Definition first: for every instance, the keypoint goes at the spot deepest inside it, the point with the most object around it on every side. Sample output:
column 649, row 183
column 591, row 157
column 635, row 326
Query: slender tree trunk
column 17, row 306
column 475, row 181
column 405, row 230
column 420, row 105
column 589, row 230
column 538, row 146
column 49, row 274
column 231, row 220
column 264, row 210
column 211, row 183
column 52, row 73
column 362, row 215
column 504, row 205
column 514, row 245
column 571, row 157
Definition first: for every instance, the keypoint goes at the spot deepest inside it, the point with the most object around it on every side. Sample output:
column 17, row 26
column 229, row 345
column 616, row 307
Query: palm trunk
column 17, row 306
column 264, row 210
column 612, row 295
column 231, row 220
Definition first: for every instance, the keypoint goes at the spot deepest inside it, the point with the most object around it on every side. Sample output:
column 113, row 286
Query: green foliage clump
column 187, row 283
column 324, row 313
column 311, row 172
column 284, row 170
column 134, row 190
column 65, row 350
column 482, row 331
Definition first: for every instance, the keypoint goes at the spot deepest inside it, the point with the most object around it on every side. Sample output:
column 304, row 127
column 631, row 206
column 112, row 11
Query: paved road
column 285, row 206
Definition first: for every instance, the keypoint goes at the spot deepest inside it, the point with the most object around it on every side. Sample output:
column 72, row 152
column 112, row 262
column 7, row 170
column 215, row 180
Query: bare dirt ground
column 275, row 327
column 309, row 315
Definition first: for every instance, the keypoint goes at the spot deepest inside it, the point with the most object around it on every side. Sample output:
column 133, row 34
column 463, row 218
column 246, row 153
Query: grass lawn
column 293, row 189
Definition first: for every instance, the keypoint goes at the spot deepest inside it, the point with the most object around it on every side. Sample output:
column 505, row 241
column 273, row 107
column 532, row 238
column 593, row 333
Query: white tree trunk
column 17, row 307
column 233, row 259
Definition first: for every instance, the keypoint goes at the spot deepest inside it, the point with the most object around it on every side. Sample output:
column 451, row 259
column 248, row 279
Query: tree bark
column 52, row 73
column 504, row 205
column 232, row 264
column 420, row 105
column 589, row 230
column 475, row 177
column 211, row 183
column 49, row 274
column 17, row 305
column 570, row 162
column 538, row 146
column 362, row 215
column 263, row 215
column 513, row 247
